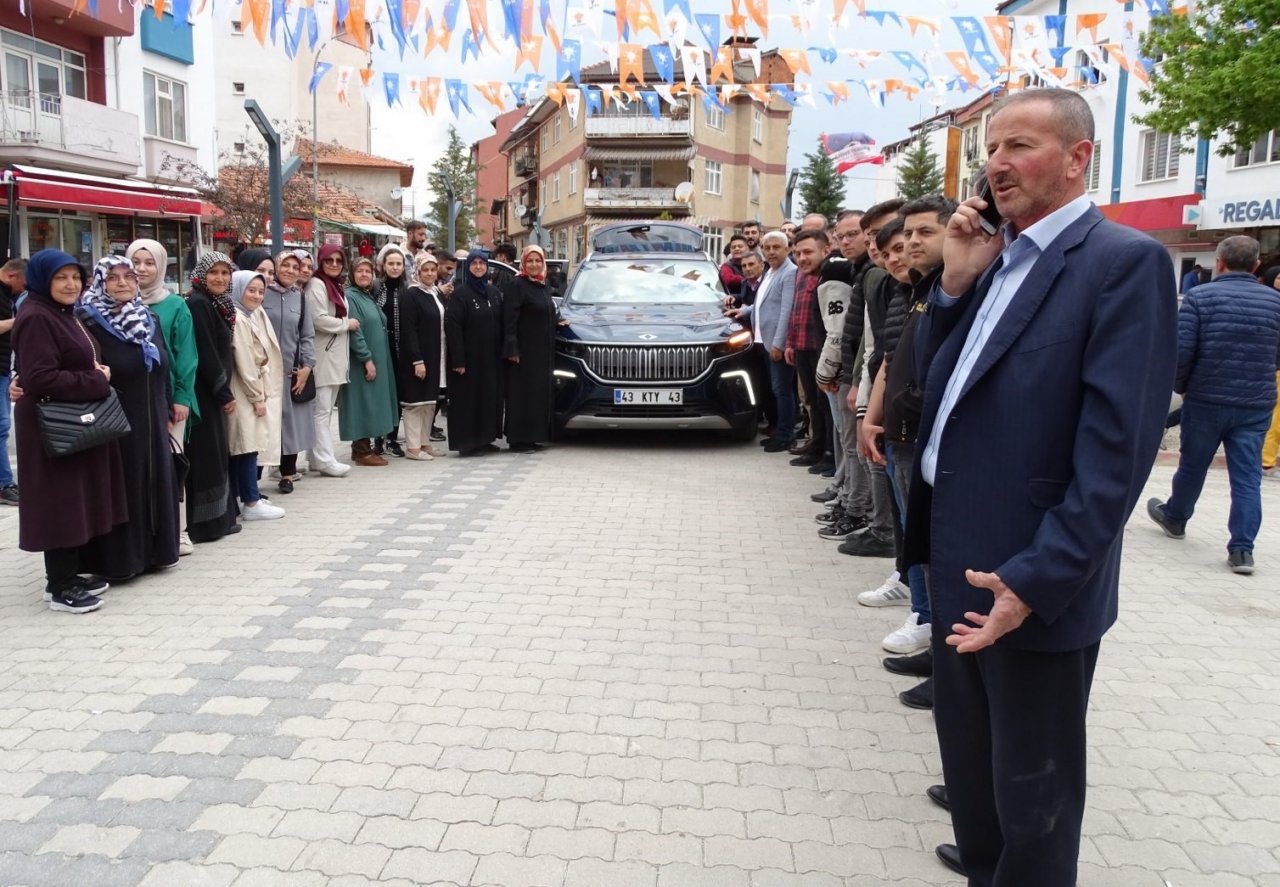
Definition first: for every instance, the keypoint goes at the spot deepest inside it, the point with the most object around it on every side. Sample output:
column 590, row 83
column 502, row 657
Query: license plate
column 648, row 396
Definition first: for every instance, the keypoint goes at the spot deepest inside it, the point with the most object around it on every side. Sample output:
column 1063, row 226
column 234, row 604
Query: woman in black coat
column 210, row 509
column 420, row 361
column 70, row 500
column 130, row 342
column 529, row 337
column 473, row 328
column 395, row 275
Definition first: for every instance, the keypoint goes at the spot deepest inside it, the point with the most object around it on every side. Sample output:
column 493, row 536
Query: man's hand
column 775, row 354
column 852, row 400
column 829, row 387
column 867, row 445
column 967, row 249
column 1007, row 613
column 790, row 355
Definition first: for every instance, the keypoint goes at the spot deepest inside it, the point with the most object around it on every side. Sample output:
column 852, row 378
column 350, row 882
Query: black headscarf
column 250, row 259
column 1269, row 276
column 479, row 285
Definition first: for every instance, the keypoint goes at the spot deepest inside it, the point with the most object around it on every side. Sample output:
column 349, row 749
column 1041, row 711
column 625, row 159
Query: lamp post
column 274, row 172
column 454, row 207
column 315, row 158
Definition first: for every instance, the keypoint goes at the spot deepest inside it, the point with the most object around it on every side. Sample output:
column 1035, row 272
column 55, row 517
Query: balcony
column 165, row 161
column 47, row 129
column 634, row 199
column 526, row 166
column 111, row 20
column 632, row 126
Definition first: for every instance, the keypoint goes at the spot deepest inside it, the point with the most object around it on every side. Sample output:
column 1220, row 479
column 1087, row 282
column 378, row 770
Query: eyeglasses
column 333, row 260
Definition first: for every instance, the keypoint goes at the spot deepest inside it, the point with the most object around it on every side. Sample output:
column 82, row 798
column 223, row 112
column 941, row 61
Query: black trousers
column 1011, row 728
column 759, row 368
column 819, row 406
column 61, row 564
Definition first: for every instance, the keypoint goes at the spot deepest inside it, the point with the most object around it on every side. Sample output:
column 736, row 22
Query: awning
column 380, row 230
column 1158, row 214
column 593, row 153
column 695, row 221
column 65, row 190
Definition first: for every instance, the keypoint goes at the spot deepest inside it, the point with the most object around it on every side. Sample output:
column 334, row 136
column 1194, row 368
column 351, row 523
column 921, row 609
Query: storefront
column 1243, row 210
column 91, row 216
column 1170, row 220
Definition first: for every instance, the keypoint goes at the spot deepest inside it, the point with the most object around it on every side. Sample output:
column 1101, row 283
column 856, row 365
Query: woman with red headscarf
column 529, row 336
column 327, row 305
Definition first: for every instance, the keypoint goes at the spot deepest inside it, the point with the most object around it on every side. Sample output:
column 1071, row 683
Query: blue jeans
column 1241, row 431
column 6, row 470
column 244, row 477
column 899, row 459
column 782, row 378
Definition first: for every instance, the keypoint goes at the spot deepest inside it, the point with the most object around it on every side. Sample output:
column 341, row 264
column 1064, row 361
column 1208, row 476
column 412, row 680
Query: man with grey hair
column 1046, row 355
column 1228, row 354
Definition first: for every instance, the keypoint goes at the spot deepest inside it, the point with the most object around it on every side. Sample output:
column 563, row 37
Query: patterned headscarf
column 221, row 301
column 157, row 291
column 524, row 268
column 127, row 321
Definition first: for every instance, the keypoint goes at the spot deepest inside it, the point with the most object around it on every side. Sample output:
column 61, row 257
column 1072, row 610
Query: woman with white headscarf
column 150, row 262
column 253, row 427
column 129, row 340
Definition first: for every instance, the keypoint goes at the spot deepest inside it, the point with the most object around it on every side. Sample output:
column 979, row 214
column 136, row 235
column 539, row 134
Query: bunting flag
column 652, row 102
column 470, row 45
column 751, row 54
column 491, row 92
column 797, row 60
column 573, row 101
column 253, row 17
column 630, row 62
column 693, row 62
column 838, row 92
column 709, row 27
column 960, row 61
column 457, row 93
column 429, row 94
column 722, row 69
column 711, row 101
column 915, row 22
column 395, row 21
column 317, row 74
column 911, row 63
column 569, row 61
column 758, row 10
column 1001, row 28
column 593, row 100
column 343, row 83
column 391, row 88
column 1089, row 22
column 355, row 23
column 531, row 52
column 1055, row 28
column 663, row 62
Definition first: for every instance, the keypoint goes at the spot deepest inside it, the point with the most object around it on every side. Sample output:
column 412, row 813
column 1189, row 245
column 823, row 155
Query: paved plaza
column 627, row 661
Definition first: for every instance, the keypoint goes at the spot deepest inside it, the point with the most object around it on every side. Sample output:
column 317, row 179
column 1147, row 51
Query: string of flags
column 679, row 55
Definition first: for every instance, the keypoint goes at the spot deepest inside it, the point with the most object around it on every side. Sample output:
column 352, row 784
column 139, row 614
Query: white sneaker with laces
column 262, row 510
column 184, row 544
column 892, row 594
column 912, row 637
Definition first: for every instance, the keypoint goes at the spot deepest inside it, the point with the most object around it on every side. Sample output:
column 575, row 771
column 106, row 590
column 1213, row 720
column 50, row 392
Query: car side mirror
column 558, row 301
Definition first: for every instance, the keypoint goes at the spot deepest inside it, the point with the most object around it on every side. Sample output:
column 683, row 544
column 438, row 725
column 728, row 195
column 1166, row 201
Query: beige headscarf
column 157, row 291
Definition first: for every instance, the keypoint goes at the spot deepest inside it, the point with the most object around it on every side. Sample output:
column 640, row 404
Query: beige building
column 570, row 175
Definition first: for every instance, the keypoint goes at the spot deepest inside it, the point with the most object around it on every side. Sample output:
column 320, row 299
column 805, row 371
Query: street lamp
column 455, row 207
column 315, row 157
column 274, row 171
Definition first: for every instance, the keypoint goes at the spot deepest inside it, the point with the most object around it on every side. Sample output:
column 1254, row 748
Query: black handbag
column 181, row 467
column 68, row 427
column 308, row 392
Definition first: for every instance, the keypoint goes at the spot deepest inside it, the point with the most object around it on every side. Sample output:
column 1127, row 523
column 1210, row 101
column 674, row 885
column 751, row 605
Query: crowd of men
column 986, row 401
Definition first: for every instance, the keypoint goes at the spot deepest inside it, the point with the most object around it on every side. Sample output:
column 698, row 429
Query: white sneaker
column 337, row 469
column 184, row 544
column 912, row 637
column 262, row 511
column 421, row 456
column 892, row 594
column 274, row 473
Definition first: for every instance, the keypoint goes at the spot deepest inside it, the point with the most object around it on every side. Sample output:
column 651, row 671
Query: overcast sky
column 409, row 134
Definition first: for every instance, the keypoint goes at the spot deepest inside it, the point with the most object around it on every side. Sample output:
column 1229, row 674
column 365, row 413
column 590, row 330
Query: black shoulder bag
column 308, row 392
column 69, row 427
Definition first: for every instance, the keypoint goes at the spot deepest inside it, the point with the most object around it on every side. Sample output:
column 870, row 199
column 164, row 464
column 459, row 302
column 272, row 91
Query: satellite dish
column 520, row 210
column 684, row 192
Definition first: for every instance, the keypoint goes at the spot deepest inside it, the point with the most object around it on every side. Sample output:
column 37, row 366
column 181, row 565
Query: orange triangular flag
column 759, row 12
column 429, row 93
column 723, row 67
column 1001, row 28
column 630, row 62
column 797, row 60
column 531, row 52
column 355, row 22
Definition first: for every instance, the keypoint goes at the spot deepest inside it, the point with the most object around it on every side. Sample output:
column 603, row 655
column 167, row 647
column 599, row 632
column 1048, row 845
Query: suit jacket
column 774, row 306
column 1053, row 436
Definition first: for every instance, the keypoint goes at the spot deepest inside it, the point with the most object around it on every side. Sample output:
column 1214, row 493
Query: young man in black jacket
column 12, row 283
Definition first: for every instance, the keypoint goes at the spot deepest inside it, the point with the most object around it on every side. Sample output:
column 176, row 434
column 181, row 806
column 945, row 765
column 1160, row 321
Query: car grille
column 648, row 363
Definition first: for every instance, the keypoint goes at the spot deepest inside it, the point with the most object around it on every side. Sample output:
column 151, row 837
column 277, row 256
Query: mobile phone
column 989, row 218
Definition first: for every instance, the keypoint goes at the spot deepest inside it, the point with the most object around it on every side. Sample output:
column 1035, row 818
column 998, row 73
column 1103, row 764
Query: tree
column 1212, row 77
column 821, row 187
column 456, row 162
column 919, row 175
column 241, row 189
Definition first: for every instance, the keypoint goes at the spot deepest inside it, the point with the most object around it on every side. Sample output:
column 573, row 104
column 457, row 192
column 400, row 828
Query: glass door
column 77, row 239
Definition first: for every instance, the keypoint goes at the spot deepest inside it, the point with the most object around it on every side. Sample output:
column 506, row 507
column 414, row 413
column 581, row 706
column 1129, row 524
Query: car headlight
column 739, row 341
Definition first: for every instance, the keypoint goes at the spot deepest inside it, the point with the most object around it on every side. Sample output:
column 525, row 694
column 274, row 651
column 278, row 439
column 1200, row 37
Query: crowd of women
column 243, row 373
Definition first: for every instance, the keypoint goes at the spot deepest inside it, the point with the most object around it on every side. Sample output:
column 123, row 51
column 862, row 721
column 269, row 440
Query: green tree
column 1216, row 76
column 821, row 187
column 919, row 175
column 457, row 164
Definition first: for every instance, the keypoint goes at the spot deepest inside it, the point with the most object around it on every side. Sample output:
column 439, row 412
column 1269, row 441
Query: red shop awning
column 1158, row 214
column 59, row 190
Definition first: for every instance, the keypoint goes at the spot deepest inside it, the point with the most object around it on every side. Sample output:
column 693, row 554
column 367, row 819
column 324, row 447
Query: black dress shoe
column 824, row 496
column 938, row 794
column 950, row 856
column 868, row 544
column 777, row 446
column 285, row 486
column 807, row 460
column 919, row 696
column 822, row 466
column 918, row 665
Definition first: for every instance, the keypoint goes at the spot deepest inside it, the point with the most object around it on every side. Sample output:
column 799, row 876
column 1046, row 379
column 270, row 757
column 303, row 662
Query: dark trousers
column 61, row 564
column 1011, row 728
column 760, row 382
column 819, row 408
column 782, row 379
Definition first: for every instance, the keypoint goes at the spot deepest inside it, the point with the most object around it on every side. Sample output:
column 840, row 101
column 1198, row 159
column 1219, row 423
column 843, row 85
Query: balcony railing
column 82, row 133
column 605, row 198
column 526, row 165
column 628, row 125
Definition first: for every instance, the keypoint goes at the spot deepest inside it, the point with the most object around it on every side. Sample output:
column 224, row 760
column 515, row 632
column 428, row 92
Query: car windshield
column 647, row 281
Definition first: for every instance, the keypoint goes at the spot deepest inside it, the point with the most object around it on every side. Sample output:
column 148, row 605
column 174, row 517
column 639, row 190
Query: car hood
column 645, row 324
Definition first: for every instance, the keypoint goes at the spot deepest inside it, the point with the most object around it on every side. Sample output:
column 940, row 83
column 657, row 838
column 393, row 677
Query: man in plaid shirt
column 805, row 337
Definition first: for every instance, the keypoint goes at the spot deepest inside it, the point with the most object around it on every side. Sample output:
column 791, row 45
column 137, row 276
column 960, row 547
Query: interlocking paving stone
column 628, row 660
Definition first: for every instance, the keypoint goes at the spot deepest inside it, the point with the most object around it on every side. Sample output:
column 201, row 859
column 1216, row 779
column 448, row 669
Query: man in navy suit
column 1047, row 353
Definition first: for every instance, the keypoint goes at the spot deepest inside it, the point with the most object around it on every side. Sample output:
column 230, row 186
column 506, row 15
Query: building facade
column 492, row 172
column 715, row 169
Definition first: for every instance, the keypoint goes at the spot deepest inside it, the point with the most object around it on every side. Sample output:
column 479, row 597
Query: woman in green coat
column 367, row 404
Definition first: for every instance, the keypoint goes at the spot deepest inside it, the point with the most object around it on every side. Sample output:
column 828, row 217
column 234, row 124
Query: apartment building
column 93, row 109
column 568, row 174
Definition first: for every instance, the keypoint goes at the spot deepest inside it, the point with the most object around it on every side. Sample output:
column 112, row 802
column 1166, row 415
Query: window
column 625, row 174
column 238, row 147
column 757, row 125
column 237, row 87
column 555, row 187
column 1090, row 73
column 573, row 178
column 715, row 118
column 546, row 137
column 713, row 243
column 712, row 178
column 561, row 249
column 237, row 28
column 1160, row 152
column 1093, row 175
column 755, row 186
column 33, row 66
column 164, row 107
column 555, row 130
column 1265, row 150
